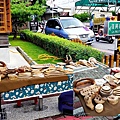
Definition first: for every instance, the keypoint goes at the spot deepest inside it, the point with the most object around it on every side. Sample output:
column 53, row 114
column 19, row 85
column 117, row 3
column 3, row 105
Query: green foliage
column 113, row 13
column 61, row 47
column 82, row 17
column 43, row 2
column 21, row 12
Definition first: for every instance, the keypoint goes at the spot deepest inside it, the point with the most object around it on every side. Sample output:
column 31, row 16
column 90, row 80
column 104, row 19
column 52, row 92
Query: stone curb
column 26, row 57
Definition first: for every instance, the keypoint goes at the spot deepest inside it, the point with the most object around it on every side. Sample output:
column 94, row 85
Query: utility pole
column 108, row 6
column 116, row 5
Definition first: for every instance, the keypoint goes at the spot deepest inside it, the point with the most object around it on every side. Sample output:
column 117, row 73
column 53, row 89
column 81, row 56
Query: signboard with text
column 114, row 28
column 99, row 21
column 34, row 25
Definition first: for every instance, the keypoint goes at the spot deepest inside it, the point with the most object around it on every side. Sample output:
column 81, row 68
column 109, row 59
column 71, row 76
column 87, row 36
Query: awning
column 89, row 3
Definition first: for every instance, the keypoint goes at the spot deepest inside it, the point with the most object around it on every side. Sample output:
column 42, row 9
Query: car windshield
column 71, row 23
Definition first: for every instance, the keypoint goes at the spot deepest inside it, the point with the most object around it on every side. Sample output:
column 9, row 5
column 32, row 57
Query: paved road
column 104, row 47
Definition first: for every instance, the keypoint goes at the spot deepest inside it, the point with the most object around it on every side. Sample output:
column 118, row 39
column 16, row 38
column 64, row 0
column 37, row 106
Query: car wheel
column 111, row 41
column 97, row 39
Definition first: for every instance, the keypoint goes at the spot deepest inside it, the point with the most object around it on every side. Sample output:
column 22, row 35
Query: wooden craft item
column 99, row 108
column 113, row 99
column 111, row 78
column 3, row 69
column 98, row 99
column 80, row 83
column 94, row 88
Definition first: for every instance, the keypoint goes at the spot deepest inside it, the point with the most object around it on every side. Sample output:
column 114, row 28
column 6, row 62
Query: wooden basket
column 81, row 83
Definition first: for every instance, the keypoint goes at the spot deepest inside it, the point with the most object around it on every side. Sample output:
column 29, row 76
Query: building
column 5, row 17
column 5, row 29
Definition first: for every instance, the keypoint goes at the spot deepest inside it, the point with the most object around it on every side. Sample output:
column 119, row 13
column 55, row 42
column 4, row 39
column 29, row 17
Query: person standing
column 106, row 25
column 91, row 22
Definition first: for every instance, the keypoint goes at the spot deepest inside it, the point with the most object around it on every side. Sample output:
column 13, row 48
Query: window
column 52, row 24
column 71, row 23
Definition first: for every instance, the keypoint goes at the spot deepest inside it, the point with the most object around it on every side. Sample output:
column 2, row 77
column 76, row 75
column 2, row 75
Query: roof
column 61, row 18
column 51, row 11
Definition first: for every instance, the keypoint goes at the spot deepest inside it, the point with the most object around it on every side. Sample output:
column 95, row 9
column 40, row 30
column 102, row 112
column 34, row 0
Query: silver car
column 69, row 28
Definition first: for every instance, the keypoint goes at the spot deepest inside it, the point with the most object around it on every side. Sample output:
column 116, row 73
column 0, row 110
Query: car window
column 56, row 24
column 53, row 24
column 70, row 23
column 50, row 24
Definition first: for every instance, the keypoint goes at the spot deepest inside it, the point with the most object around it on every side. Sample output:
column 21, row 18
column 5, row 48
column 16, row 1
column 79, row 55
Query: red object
column 105, row 34
column 33, row 98
column 69, row 118
column 76, row 118
column 114, row 71
column 112, row 18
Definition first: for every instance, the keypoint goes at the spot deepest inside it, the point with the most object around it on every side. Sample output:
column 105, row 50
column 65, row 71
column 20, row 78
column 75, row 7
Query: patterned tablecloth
column 36, row 90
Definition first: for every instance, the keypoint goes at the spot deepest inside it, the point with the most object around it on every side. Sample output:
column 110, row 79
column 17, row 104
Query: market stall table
column 109, row 109
column 96, row 74
column 7, row 85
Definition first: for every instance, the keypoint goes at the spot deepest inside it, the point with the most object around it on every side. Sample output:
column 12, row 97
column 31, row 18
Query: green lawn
column 38, row 54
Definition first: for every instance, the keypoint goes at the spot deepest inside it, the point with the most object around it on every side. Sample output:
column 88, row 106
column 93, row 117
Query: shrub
column 61, row 47
column 114, row 13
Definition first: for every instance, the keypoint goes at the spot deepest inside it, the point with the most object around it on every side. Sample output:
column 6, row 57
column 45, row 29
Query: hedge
column 61, row 47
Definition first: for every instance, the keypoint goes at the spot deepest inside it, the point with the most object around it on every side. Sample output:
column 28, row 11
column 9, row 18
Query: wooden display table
column 7, row 85
column 109, row 109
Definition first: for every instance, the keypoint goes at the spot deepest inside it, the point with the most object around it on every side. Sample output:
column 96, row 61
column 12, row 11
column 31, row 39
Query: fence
column 111, row 61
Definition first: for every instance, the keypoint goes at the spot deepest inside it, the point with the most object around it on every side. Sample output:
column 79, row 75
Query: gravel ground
column 27, row 112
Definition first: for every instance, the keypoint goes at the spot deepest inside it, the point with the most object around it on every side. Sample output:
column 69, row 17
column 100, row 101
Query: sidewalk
column 28, row 112
column 15, row 58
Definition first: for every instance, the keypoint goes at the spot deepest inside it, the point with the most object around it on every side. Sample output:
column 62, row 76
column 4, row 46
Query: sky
column 61, row 3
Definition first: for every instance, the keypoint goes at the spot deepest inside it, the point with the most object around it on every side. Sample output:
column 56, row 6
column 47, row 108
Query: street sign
column 114, row 28
column 34, row 25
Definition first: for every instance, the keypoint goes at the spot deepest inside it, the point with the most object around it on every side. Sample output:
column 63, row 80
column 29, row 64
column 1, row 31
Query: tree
column 21, row 12
column 82, row 17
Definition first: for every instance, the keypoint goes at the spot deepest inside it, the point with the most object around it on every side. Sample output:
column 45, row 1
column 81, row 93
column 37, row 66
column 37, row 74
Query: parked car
column 69, row 28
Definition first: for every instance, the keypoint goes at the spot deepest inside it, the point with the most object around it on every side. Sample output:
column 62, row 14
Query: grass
column 38, row 54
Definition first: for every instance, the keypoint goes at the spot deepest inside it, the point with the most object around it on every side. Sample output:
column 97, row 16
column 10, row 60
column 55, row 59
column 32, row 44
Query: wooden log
column 107, row 60
column 117, row 60
column 111, row 61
